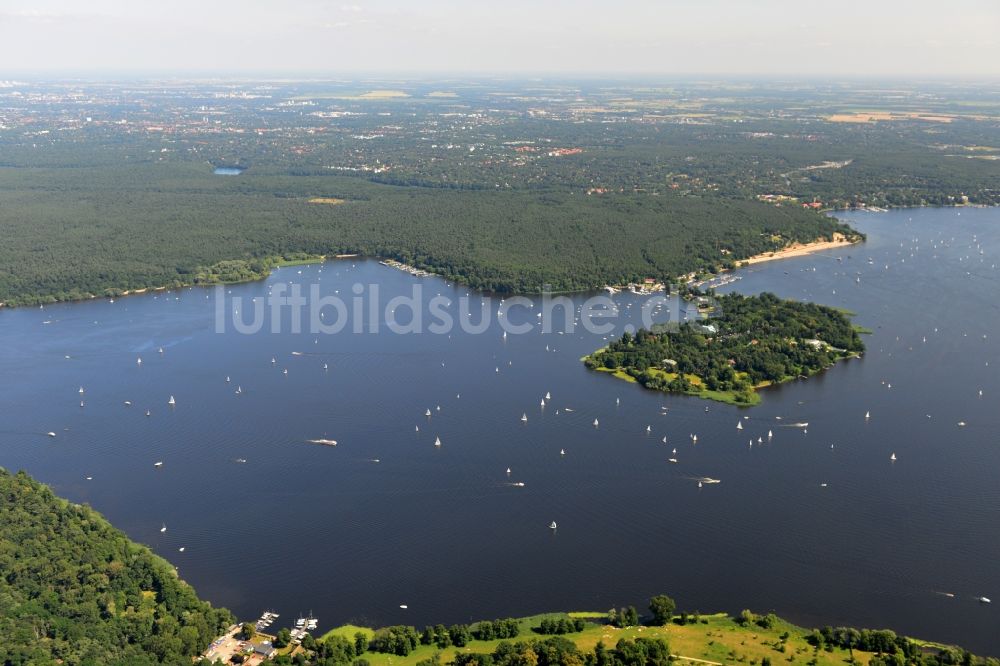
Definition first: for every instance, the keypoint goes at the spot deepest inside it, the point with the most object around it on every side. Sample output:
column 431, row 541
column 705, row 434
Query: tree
column 662, row 607
column 248, row 631
column 283, row 637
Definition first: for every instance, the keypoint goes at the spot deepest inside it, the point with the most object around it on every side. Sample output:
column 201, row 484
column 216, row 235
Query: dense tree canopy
column 74, row 590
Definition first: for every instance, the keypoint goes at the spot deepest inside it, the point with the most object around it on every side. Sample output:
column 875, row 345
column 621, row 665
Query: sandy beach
column 798, row 250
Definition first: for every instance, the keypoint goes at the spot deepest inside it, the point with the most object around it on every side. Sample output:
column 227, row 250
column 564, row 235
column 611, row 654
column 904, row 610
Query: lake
column 269, row 521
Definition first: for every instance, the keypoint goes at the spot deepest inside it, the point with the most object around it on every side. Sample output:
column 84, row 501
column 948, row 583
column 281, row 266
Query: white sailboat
column 138, row 361
column 649, row 429
column 171, row 401
column 739, row 425
column 553, row 525
column 524, row 418
column 437, row 441
column 595, row 423
column 893, row 457
column 163, row 528
column 548, row 396
column 80, row 391
column 427, row 413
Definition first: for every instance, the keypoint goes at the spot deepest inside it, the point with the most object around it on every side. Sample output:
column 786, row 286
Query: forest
column 747, row 342
column 73, row 233
column 75, row 590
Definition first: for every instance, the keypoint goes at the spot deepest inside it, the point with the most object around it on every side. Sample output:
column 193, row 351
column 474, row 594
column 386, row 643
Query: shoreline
column 798, row 250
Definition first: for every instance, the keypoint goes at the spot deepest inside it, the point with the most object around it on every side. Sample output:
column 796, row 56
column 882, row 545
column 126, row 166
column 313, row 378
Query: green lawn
column 716, row 638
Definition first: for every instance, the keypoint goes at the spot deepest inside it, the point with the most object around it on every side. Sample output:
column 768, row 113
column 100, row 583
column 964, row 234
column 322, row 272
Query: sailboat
column 163, row 528
column 548, row 396
column 160, row 350
column 80, row 391
column 437, row 441
column 664, row 440
column 562, row 452
column 595, row 423
column 508, row 471
column 553, row 525
column 739, row 425
column 227, row 379
column 699, row 484
column 416, row 428
column 326, row 367
column 148, row 413
column 543, row 402
column 770, row 435
column 427, row 413
column 893, row 457
column 868, row 415
column 694, row 438
column 138, row 361
column 649, row 429
column 171, row 401
column 524, row 418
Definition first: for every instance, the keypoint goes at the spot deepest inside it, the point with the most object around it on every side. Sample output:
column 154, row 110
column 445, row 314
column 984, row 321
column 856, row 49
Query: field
column 716, row 639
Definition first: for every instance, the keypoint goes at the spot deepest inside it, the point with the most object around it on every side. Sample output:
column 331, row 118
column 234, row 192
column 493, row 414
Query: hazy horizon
column 777, row 39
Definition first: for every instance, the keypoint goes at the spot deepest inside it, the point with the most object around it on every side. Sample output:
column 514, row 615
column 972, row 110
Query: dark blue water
column 301, row 527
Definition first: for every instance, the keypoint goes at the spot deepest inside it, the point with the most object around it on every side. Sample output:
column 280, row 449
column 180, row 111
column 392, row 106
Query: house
column 265, row 650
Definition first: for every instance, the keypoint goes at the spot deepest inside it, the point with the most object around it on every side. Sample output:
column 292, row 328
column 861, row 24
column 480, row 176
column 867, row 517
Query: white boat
column 148, row 413
column 285, row 371
column 770, row 435
column 160, row 350
column 562, row 452
column 664, row 440
column 171, row 401
column 699, row 484
column 649, row 429
column 51, row 434
column 984, row 600
column 326, row 367
column 138, row 361
column 416, row 428
column 427, row 413
column 403, row 606
column 273, row 360
column 227, row 379
column 508, row 471
column 519, row 484
column 524, row 418
column 868, row 415
column 163, row 528
column 158, row 463
column 595, row 423
column 553, row 525
column 437, row 441
column 543, row 402
column 548, row 396
column 694, row 438
column 80, row 391
column 893, row 457
column 739, row 425
column 324, row 442
column 672, row 460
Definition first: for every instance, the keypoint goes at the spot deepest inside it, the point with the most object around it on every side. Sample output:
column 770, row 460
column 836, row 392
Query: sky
column 766, row 38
